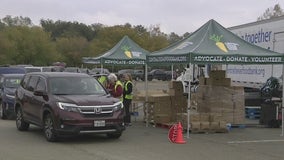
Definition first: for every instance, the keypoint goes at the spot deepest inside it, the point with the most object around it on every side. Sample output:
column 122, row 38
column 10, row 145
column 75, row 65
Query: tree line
column 21, row 42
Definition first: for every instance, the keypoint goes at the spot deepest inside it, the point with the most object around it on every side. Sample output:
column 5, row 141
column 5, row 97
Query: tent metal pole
column 193, row 71
column 172, row 68
column 102, row 68
column 272, row 70
column 146, row 96
column 188, row 102
column 282, row 106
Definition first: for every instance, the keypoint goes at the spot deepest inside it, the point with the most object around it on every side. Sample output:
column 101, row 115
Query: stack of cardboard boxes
column 157, row 109
column 178, row 99
column 203, row 122
column 215, row 104
column 163, row 105
column 216, row 95
column 218, row 78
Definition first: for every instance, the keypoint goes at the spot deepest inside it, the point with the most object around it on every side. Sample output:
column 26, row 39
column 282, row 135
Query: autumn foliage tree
column 26, row 45
column 21, row 42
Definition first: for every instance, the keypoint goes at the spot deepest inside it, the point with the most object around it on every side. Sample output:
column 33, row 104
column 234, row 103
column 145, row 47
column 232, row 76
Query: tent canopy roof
column 125, row 52
column 212, row 43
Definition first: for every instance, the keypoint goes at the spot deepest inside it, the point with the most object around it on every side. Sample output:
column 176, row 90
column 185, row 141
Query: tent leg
column 102, row 68
column 172, row 68
column 188, row 102
column 282, row 111
column 146, row 96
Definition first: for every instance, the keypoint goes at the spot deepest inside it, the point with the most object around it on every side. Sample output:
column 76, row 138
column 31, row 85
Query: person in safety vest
column 103, row 80
column 114, row 86
column 127, row 97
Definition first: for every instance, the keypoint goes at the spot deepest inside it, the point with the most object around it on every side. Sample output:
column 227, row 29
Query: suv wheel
column 48, row 128
column 20, row 122
column 2, row 112
column 114, row 135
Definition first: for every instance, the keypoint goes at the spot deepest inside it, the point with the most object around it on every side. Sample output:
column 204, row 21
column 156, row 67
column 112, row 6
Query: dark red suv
column 67, row 104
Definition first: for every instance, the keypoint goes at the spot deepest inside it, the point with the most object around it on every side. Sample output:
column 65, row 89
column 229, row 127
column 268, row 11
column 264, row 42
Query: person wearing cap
column 114, row 86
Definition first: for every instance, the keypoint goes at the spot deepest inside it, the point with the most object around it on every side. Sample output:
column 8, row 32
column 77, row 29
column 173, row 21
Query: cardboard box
column 176, row 85
column 178, row 100
column 138, row 98
column 202, row 80
column 217, row 74
column 182, row 117
column 161, row 97
column 195, row 126
column 204, row 117
column 219, row 81
column 160, row 108
column 223, row 125
column 214, row 126
column 215, row 117
column 204, row 126
column 194, row 117
column 141, row 95
column 175, row 92
column 162, row 118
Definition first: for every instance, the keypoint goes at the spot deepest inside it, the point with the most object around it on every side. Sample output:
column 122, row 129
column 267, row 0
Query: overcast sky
column 177, row 16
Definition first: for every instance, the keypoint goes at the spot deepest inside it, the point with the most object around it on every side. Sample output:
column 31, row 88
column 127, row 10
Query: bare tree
column 271, row 13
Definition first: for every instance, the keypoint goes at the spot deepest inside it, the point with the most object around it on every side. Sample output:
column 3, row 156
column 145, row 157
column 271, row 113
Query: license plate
column 100, row 123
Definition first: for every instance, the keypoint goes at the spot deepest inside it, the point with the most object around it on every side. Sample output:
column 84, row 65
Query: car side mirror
column 40, row 93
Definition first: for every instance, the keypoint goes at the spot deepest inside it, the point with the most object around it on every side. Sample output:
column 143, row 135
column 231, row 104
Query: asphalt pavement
column 141, row 142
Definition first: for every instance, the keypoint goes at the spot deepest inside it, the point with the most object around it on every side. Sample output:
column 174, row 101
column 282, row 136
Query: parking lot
column 139, row 142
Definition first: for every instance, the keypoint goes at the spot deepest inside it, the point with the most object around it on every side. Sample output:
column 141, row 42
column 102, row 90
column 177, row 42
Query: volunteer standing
column 127, row 97
column 114, row 86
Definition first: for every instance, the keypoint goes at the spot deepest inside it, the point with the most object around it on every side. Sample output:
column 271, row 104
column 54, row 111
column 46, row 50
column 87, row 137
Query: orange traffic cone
column 179, row 138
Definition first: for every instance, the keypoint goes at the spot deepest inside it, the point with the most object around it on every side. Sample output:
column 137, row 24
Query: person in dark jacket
column 127, row 97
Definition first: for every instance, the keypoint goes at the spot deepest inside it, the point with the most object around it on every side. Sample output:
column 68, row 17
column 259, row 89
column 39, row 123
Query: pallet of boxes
column 217, row 104
column 157, row 108
column 163, row 105
column 200, row 122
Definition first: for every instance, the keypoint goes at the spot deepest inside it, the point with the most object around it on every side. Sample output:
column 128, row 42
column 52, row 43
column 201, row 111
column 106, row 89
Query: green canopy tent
column 125, row 53
column 214, row 44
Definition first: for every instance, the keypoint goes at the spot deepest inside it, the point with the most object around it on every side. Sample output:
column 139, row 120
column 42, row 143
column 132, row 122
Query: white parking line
column 256, row 141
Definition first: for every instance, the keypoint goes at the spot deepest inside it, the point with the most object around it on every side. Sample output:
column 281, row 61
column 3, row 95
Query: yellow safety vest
column 102, row 80
column 128, row 96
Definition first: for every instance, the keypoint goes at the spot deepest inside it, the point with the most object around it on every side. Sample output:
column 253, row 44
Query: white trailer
column 268, row 34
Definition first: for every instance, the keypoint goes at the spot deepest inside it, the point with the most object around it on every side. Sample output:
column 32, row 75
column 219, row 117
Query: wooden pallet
column 238, row 126
column 209, row 131
column 163, row 125
column 194, row 131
